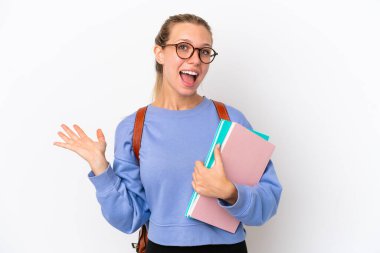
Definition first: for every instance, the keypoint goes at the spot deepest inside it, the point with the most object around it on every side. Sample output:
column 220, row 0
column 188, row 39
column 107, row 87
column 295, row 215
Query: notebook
column 245, row 155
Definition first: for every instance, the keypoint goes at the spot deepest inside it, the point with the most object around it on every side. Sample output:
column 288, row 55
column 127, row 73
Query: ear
column 159, row 54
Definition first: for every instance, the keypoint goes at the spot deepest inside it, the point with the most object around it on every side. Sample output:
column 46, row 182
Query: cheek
column 204, row 71
column 171, row 66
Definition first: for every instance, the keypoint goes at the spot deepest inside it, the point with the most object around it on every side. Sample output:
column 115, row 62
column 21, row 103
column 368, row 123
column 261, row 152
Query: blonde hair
column 163, row 36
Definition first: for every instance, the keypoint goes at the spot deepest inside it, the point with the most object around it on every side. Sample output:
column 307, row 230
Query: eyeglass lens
column 185, row 50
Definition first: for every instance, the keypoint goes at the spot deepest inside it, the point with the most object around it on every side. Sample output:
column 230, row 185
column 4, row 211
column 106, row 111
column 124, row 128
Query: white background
column 304, row 72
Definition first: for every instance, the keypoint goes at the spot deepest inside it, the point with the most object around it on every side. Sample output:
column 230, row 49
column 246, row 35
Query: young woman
column 178, row 130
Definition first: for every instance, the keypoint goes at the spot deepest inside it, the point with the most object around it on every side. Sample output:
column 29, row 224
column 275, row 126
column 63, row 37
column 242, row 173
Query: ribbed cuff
column 242, row 203
column 105, row 181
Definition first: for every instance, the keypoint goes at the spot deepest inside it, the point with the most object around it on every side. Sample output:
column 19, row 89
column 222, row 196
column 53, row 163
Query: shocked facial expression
column 184, row 76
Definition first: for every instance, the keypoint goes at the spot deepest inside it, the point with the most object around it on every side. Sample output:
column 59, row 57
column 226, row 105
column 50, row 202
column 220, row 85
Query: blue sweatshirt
column 157, row 191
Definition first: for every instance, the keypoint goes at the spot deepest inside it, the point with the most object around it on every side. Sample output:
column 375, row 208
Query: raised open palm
column 92, row 151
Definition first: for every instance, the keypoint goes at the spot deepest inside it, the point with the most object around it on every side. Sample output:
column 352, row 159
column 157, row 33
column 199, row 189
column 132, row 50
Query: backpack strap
column 137, row 131
column 222, row 110
column 140, row 246
column 140, row 118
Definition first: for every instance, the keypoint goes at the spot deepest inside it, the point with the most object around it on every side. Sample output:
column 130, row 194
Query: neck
column 177, row 102
column 169, row 98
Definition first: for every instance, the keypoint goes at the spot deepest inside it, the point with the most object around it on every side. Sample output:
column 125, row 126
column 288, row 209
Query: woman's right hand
column 93, row 152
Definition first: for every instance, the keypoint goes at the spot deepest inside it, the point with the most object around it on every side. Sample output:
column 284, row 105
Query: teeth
column 189, row 72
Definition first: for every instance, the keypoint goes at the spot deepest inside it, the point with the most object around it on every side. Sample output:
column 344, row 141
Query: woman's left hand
column 213, row 182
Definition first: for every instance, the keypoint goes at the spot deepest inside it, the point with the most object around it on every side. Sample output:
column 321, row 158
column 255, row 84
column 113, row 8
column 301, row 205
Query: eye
column 183, row 47
column 206, row 51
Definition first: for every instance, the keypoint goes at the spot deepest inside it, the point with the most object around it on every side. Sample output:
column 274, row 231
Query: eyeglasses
column 186, row 50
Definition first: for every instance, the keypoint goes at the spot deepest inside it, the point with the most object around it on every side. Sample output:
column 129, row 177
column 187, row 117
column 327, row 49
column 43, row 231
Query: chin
column 188, row 93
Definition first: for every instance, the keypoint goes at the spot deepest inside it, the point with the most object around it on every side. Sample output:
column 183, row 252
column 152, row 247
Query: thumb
column 217, row 154
column 100, row 136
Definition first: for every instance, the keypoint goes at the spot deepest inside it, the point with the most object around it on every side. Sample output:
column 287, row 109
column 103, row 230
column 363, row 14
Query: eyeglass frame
column 194, row 48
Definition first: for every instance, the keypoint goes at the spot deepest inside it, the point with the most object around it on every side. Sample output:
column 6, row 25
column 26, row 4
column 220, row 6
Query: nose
column 195, row 57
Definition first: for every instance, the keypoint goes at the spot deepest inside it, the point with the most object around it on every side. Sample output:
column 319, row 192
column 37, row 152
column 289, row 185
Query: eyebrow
column 186, row 40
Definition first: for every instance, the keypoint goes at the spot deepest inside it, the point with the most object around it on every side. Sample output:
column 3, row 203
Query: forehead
column 198, row 35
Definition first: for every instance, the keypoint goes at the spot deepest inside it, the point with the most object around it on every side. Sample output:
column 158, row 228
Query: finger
column 199, row 164
column 194, row 177
column 200, row 168
column 62, row 145
column 79, row 130
column 196, row 169
column 65, row 138
column 100, row 135
column 217, row 154
column 70, row 132
column 194, row 186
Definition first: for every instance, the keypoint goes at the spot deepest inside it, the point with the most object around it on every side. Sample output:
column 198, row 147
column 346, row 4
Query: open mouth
column 188, row 77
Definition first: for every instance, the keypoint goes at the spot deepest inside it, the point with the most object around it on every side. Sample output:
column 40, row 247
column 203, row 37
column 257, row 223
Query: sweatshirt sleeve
column 119, row 190
column 255, row 204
